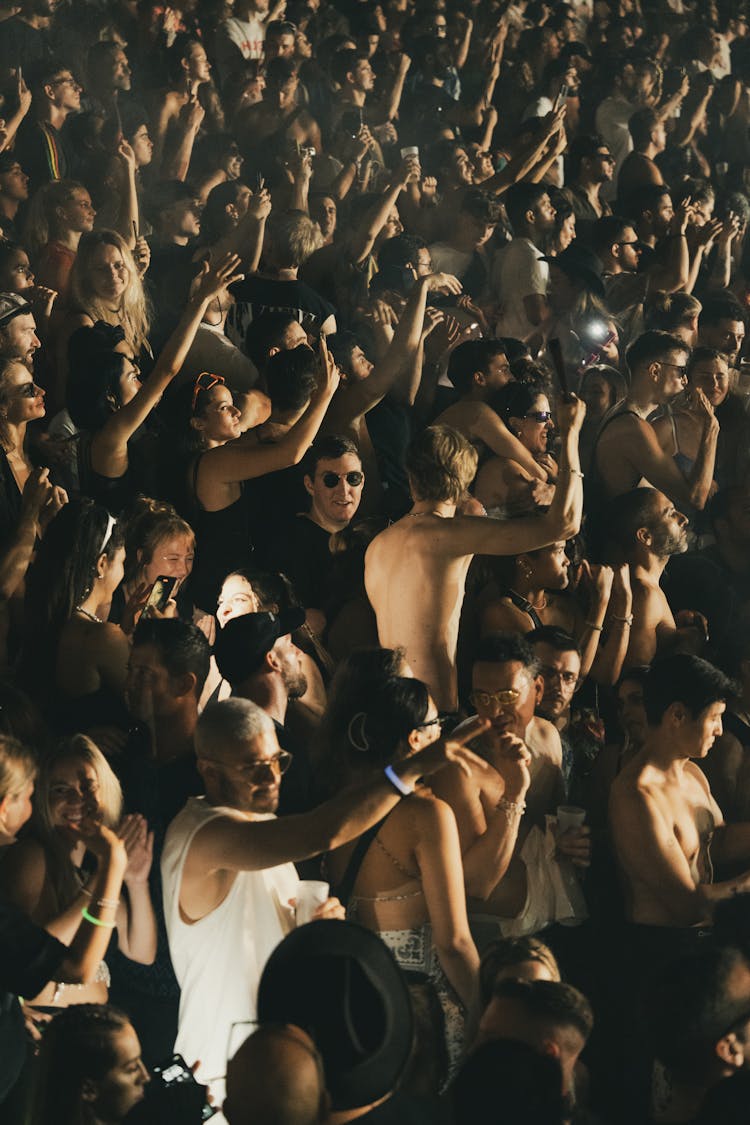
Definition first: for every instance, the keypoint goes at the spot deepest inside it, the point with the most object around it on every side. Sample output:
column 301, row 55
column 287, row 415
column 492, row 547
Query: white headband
column 111, row 521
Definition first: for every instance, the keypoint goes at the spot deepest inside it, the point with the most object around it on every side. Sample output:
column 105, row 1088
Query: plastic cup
column 569, row 816
column 311, row 893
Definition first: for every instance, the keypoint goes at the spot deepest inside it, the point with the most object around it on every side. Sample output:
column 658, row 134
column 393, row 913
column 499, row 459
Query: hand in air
column 139, row 845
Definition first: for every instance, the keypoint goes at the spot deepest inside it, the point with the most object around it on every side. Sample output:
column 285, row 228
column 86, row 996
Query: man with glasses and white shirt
column 227, row 868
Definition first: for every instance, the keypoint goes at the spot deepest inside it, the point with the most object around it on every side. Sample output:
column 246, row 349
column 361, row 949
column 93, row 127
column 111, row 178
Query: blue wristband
column 404, row 789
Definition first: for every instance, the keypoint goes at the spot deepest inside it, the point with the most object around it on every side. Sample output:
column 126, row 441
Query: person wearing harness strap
column 627, row 451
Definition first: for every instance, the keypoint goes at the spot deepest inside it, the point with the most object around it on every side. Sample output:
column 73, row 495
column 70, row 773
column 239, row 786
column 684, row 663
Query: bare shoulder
column 544, row 737
column 696, row 775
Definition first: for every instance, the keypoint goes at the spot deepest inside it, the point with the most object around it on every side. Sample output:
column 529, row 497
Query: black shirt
column 29, row 959
column 257, row 295
column 300, row 551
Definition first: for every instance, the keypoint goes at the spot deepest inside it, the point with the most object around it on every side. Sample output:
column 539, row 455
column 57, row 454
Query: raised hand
column 139, row 845
column 259, row 205
column 570, row 415
column 510, row 757
column 330, row 376
column 216, row 276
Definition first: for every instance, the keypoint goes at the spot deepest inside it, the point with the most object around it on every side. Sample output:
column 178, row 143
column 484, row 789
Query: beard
column 295, row 682
column 667, row 543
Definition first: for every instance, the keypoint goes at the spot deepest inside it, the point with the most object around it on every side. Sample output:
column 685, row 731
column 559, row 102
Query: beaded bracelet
column 511, row 809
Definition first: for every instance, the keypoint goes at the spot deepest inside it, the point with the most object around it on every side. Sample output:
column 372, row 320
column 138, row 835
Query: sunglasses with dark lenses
column 353, row 479
column 539, row 416
column 206, row 381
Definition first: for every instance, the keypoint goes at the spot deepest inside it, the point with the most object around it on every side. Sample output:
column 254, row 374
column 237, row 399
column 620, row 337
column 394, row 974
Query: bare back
column 416, row 589
column 615, row 465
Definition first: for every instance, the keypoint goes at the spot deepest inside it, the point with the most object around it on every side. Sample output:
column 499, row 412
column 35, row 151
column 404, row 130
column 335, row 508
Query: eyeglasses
column 68, row 82
column 567, row 678
column 256, row 771
column 28, row 390
column 681, row 367
column 606, row 156
column 539, row 416
column 206, row 381
column 353, row 478
column 633, row 242
column 438, row 721
column 484, row 699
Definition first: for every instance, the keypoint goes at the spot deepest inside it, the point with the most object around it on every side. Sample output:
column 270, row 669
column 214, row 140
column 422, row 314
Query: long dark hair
column 61, row 576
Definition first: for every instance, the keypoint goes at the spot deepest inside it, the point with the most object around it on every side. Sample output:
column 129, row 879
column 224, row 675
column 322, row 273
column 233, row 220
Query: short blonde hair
column 17, row 766
column 81, row 748
column 441, row 464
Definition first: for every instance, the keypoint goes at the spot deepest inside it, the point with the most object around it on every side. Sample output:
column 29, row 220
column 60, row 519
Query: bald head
column 276, row 1078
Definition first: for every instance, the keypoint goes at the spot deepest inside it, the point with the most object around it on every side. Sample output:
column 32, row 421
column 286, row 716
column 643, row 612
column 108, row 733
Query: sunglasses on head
column 353, row 478
column 206, row 381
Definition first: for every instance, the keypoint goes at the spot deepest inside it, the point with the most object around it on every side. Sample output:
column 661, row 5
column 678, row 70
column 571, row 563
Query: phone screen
column 161, row 592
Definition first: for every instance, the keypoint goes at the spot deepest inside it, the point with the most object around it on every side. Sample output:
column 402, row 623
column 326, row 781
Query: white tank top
column 218, row 960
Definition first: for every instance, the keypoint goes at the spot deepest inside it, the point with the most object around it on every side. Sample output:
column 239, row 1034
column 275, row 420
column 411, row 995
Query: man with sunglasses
column 227, row 867
column 627, row 452
column 333, row 479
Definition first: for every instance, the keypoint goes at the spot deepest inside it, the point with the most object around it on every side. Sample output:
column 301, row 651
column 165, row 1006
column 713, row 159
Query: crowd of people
column 374, row 562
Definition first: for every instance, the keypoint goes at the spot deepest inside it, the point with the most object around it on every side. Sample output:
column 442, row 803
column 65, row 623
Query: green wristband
column 97, row 921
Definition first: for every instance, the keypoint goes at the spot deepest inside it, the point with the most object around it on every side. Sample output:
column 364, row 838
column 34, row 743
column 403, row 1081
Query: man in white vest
column 228, row 877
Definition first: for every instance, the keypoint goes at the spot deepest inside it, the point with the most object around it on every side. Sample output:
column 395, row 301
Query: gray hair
column 231, row 720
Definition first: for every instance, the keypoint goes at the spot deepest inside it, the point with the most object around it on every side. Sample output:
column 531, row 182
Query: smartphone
column 177, row 1071
column 562, row 95
column 19, row 74
column 161, row 592
column 258, row 183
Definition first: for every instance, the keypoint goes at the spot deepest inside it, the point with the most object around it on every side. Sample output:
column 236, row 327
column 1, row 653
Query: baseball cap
column 341, row 984
column 582, row 263
column 243, row 642
column 12, row 305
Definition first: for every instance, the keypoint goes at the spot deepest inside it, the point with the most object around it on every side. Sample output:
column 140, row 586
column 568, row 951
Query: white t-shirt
column 518, row 272
column 612, row 116
column 233, row 35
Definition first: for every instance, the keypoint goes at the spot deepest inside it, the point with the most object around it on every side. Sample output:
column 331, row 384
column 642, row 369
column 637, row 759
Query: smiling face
column 245, row 775
column 335, row 502
column 77, row 214
column 712, row 377
column 73, row 795
column 237, row 598
column 533, row 429
column 21, row 400
column 109, row 273
column 172, row 558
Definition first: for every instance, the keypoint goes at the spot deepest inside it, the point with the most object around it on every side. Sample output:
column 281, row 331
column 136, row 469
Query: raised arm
column 128, row 220
column 242, row 460
column 246, row 239
column 362, row 396
column 362, row 238
column 649, row 459
column 475, row 535
column 228, row 844
column 110, row 443
column 491, row 429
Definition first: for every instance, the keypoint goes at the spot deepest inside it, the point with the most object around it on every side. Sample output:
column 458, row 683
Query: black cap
column 241, row 645
column 581, row 263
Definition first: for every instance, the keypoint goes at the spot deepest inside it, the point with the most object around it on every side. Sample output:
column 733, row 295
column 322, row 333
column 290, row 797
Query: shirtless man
column 497, row 808
column 627, row 451
column 644, row 529
column 476, row 369
column 663, row 817
column 415, row 570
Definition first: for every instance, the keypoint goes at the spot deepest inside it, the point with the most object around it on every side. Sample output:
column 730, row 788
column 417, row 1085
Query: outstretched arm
column 110, row 443
column 483, row 536
column 240, row 460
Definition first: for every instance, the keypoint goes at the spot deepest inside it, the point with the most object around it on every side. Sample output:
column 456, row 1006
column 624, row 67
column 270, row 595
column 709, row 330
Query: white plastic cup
column 311, row 893
column 569, row 816
column 410, row 150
